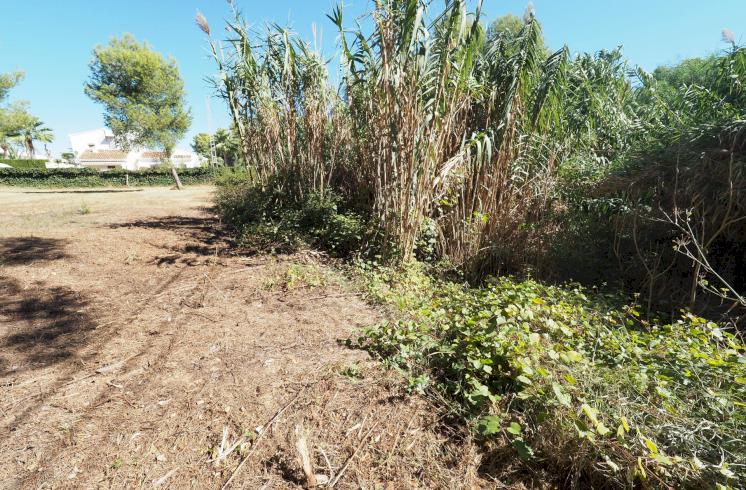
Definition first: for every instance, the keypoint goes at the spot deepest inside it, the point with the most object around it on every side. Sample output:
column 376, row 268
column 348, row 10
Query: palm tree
column 33, row 131
column 224, row 145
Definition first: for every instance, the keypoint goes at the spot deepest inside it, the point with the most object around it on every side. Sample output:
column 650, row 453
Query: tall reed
column 276, row 88
column 436, row 122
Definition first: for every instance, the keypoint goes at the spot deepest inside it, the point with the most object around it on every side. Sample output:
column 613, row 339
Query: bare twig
column 225, row 296
column 266, row 429
column 226, row 448
column 341, row 295
column 160, row 481
column 349, row 460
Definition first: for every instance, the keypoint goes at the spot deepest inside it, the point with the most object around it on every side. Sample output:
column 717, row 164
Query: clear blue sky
column 51, row 40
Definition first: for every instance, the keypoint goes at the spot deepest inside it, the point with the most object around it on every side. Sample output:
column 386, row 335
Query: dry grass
column 140, row 350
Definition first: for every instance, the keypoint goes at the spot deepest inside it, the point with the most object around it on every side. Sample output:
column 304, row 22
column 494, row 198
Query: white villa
column 97, row 149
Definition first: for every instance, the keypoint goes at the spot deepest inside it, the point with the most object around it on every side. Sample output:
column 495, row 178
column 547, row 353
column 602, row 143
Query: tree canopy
column 508, row 28
column 142, row 93
column 18, row 127
column 691, row 71
column 226, row 146
column 7, row 82
column 201, row 144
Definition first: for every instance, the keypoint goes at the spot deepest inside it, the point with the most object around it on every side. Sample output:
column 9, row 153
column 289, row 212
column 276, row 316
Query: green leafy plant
column 270, row 219
column 558, row 371
column 84, row 177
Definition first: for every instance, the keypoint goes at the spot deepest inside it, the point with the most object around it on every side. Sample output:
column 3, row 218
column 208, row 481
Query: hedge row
column 86, row 177
column 22, row 164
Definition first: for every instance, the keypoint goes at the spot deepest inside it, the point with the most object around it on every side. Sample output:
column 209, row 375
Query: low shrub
column 86, row 177
column 573, row 378
column 270, row 220
column 23, row 164
column 227, row 176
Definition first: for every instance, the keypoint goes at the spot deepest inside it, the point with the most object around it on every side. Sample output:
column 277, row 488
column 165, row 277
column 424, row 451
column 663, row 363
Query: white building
column 97, row 149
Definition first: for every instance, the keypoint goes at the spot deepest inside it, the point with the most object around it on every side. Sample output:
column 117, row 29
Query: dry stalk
column 301, row 446
column 266, row 429
column 349, row 460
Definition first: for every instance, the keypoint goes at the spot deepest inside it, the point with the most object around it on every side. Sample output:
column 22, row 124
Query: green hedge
column 86, row 177
column 23, row 164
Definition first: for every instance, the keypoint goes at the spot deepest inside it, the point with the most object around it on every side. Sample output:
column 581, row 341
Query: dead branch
column 265, row 429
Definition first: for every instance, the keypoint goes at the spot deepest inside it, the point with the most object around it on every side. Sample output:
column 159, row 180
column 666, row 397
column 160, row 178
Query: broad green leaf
column 489, row 425
column 562, row 397
column 514, row 428
column 652, row 447
column 602, row 429
column 590, row 413
column 524, row 450
column 574, row 356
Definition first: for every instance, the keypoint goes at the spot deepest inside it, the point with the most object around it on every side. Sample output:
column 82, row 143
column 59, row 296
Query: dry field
column 140, row 349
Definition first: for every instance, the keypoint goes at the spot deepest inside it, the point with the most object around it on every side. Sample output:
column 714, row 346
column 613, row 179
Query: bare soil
column 140, row 349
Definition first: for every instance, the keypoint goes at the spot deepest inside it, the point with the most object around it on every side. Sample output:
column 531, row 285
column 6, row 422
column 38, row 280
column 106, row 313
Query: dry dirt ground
column 140, row 349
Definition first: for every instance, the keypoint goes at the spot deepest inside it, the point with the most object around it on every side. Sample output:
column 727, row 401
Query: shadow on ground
column 26, row 250
column 201, row 236
column 40, row 325
column 93, row 191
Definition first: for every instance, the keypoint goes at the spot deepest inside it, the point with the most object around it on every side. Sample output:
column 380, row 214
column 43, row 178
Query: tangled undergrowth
column 574, row 379
column 476, row 150
column 267, row 220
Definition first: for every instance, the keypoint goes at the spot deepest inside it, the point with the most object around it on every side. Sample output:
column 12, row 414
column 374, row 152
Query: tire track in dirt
column 196, row 347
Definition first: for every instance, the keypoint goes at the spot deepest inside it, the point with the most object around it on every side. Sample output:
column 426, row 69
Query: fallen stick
column 349, row 460
column 15, row 403
column 225, row 296
column 203, row 316
column 343, row 295
column 265, row 429
column 160, row 481
column 396, row 439
column 301, row 445
column 103, row 370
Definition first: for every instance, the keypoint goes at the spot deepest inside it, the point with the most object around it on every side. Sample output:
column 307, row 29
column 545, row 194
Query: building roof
column 103, row 156
column 160, row 154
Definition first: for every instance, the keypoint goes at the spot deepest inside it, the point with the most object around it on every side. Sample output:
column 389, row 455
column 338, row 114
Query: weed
column 299, row 276
column 352, row 371
column 564, row 373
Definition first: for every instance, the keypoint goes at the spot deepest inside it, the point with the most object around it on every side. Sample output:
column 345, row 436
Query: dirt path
column 139, row 350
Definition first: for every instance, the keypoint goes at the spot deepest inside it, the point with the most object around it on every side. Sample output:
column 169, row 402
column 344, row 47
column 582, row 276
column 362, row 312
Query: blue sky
column 51, row 40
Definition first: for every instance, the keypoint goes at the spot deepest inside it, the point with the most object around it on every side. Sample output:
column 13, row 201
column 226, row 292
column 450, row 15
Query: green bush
column 227, row 176
column 23, row 164
column 86, row 177
column 574, row 379
column 267, row 218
